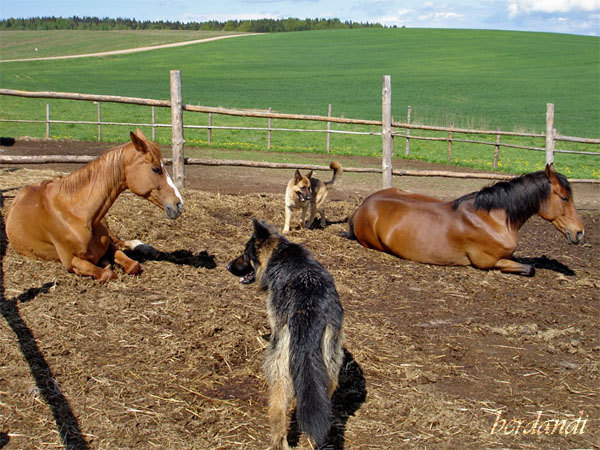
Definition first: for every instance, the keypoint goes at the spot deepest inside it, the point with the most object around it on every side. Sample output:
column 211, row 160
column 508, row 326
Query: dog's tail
column 309, row 375
column 337, row 171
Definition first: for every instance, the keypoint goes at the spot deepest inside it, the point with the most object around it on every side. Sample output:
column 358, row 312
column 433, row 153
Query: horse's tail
column 309, row 375
column 337, row 171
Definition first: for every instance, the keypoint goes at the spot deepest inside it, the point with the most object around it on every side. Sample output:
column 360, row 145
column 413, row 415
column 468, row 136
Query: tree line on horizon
column 109, row 24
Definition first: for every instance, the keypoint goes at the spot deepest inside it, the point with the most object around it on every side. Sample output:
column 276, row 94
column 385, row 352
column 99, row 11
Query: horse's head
column 559, row 208
column 146, row 176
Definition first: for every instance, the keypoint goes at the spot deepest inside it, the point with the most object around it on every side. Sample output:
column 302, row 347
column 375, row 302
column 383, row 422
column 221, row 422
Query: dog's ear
column 297, row 176
column 309, row 174
column 261, row 230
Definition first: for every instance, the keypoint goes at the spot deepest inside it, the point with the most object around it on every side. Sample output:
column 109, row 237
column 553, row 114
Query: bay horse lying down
column 479, row 228
column 63, row 219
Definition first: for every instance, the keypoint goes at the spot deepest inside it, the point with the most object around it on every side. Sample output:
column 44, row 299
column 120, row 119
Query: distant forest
column 108, row 24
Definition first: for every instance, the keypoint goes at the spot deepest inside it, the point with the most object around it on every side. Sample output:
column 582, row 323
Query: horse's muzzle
column 574, row 238
column 174, row 211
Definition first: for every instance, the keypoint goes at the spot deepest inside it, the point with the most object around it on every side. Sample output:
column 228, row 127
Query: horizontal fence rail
column 522, row 147
column 363, row 133
column 388, row 132
column 83, row 159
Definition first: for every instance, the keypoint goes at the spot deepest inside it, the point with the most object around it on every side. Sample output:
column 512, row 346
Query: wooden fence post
column 177, row 140
column 99, row 121
column 549, row 133
column 47, row 120
column 450, row 143
column 408, row 132
column 269, row 124
column 497, row 150
column 209, row 129
column 328, row 129
column 153, row 123
column 386, row 132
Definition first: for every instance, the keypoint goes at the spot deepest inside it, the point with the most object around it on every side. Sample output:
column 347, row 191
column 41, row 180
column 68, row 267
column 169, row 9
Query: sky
column 558, row 16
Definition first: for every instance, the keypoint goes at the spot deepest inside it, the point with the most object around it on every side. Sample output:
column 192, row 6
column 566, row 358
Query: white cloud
column 513, row 10
column 551, row 6
column 440, row 16
column 398, row 18
column 447, row 15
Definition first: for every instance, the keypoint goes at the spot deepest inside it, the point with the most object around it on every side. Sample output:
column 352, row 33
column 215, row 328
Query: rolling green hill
column 41, row 44
column 471, row 78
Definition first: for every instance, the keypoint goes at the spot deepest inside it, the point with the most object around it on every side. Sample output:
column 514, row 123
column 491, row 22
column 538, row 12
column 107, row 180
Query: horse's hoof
column 134, row 269
column 107, row 274
column 529, row 271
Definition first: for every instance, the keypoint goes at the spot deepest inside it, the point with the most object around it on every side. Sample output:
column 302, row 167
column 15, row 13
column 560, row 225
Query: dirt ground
column 450, row 357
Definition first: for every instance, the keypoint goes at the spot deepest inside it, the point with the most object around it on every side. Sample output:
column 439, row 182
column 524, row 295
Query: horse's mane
column 102, row 172
column 520, row 197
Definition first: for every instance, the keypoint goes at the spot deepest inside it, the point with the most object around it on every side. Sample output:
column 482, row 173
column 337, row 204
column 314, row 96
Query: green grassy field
column 468, row 78
column 23, row 44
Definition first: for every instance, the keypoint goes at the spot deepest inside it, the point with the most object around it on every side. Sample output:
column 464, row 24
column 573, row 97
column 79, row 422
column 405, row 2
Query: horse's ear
column 550, row 172
column 140, row 134
column 309, row 174
column 297, row 176
column 261, row 230
column 139, row 144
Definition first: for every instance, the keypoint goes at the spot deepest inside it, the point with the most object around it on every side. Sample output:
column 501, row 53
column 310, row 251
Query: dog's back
column 304, row 304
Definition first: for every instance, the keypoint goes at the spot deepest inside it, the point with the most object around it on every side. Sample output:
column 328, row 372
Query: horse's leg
column 482, row 260
column 131, row 245
column 81, row 266
column 130, row 266
column 510, row 266
column 85, row 267
column 489, row 255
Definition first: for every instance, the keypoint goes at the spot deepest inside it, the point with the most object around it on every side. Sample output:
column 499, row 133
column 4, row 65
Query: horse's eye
column 565, row 199
column 157, row 170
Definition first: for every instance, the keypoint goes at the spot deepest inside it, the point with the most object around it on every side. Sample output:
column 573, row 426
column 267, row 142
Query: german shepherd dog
column 305, row 351
column 303, row 191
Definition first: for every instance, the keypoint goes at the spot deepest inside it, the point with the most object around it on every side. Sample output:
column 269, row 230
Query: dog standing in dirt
column 303, row 192
column 305, row 352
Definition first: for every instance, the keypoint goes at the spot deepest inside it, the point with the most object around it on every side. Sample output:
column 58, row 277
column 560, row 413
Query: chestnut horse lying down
column 63, row 219
column 479, row 228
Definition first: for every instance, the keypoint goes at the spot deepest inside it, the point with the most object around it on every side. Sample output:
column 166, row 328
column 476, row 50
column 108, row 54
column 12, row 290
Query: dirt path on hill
column 131, row 50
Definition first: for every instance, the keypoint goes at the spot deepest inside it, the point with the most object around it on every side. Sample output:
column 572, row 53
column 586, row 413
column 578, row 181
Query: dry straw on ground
column 172, row 358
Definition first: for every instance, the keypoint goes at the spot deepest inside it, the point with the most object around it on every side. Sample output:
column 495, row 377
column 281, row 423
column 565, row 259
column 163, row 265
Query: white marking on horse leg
column 131, row 245
column 170, row 182
column 141, row 248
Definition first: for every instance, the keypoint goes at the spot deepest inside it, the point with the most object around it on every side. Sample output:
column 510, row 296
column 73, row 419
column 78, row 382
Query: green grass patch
column 467, row 78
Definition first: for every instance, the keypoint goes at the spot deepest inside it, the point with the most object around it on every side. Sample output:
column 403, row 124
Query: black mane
column 520, row 197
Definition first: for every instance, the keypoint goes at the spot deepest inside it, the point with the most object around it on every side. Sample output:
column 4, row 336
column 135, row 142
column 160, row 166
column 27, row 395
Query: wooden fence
column 386, row 123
